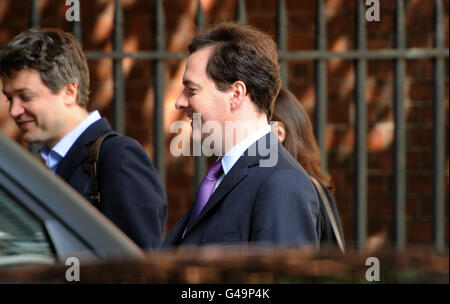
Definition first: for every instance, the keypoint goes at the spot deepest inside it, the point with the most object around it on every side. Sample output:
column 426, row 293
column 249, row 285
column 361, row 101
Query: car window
column 22, row 236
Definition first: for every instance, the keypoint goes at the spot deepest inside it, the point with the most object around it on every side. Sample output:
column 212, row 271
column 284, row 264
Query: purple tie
column 205, row 190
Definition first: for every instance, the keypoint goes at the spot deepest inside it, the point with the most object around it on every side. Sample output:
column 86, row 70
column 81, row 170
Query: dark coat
column 131, row 191
column 253, row 203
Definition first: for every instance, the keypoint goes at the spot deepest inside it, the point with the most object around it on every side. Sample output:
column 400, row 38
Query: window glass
column 22, row 236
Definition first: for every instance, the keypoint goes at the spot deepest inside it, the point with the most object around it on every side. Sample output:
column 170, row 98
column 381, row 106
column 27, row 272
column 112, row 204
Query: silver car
column 44, row 221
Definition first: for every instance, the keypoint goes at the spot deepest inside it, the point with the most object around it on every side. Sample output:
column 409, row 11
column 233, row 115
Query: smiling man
column 46, row 82
column 232, row 77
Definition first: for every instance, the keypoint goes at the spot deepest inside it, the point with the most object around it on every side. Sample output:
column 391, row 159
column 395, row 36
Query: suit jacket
column 131, row 191
column 256, row 204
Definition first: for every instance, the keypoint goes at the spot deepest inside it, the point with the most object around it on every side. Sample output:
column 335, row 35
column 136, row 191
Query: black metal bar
column 399, row 232
column 76, row 30
column 365, row 54
column 159, row 83
column 292, row 55
column 241, row 12
column 141, row 55
column 320, row 67
column 360, row 134
column 119, row 86
column 438, row 132
column 199, row 161
column 282, row 30
column 33, row 17
column 33, row 22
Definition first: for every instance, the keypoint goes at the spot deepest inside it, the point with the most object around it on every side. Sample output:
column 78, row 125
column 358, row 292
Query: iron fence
column 320, row 56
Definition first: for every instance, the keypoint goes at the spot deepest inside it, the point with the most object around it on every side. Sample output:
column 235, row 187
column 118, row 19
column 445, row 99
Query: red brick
column 418, row 137
column 305, row 42
column 381, row 69
column 419, row 230
column 412, row 205
column 380, row 160
column 305, row 7
column 420, row 114
column 377, row 185
column 264, row 21
column 419, row 184
column 340, row 25
column 336, row 5
column 421, row 90
column 419, row 4
column 414, row 160
column 338, row 113
column 419, row 40
column 413, row 68
column 377, row 226
column 379, row 93
column 377, row 42
column 384, row 26
column 302, row 70
column 426, row 205
column 347, row 227
column 424, row 17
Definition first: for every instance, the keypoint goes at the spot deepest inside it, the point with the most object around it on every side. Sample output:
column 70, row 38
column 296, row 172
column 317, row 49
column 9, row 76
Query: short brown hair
column 243, row 53
column 57, row 56
column 300, row 140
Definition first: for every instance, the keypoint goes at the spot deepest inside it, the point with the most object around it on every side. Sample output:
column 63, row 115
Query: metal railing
column 320, row 56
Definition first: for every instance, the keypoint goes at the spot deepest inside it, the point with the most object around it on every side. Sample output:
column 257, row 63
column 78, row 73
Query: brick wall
column 97, row 20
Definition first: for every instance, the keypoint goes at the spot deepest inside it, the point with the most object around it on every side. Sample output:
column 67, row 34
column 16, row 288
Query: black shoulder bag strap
column 91, row 166
column 330, row 214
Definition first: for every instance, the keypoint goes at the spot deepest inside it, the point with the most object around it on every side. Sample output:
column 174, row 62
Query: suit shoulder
column 119, row 142
column 120, row 146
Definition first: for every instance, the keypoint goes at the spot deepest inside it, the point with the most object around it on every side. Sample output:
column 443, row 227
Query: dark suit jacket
column 256, row 204
column 131, row 191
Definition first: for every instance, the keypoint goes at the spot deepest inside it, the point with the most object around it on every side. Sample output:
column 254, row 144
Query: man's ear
column 70, row 93
column 281, row 131
column 238, row 93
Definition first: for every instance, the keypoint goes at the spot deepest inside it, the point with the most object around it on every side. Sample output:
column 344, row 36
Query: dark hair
column 300, row 140
column 243, row 53
column 55, row 54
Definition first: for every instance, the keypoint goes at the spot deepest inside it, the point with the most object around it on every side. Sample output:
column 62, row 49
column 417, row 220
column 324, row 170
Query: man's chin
column 31, row 138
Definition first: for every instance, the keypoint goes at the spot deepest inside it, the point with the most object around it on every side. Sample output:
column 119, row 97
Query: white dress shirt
column 53, row 156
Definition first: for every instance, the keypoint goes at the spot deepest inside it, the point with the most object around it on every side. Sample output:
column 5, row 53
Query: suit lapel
column 237, row 173
column 175, row 234
column 80, row 149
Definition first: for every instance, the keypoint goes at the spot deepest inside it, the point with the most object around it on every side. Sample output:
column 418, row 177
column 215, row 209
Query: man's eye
column 25, row 98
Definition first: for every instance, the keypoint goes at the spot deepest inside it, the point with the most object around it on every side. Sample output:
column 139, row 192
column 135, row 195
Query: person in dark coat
column 46, row 82
column 256, row 192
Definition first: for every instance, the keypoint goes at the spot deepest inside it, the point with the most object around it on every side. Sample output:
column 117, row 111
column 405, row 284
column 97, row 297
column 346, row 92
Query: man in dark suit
column 256, row 192
column 46, row 81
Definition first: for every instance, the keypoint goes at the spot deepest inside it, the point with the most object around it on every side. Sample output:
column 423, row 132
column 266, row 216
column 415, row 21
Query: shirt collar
column 232, row 156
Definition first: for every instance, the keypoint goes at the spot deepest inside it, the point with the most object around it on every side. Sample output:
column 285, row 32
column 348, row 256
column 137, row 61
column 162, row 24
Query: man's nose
column 16, row 109
column 181, row 102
